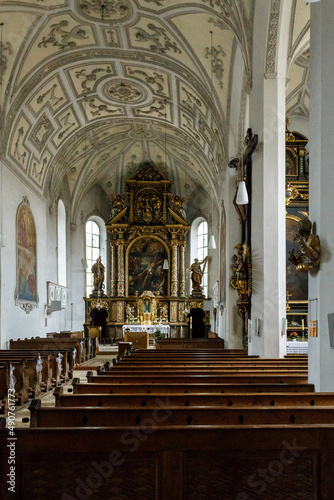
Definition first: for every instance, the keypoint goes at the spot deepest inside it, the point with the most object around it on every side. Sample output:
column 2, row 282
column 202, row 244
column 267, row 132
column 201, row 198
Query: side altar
column 147, row 280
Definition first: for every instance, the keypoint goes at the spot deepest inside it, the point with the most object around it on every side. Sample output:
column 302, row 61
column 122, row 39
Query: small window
column 202, row 251
column 199, row 247
column 93, row 248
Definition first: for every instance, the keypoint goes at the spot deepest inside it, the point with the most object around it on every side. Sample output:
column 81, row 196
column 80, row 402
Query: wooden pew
column 16, row 368
column 48, row 366
column 175, row 415
column 199, row 399
column 32, row 366
column 207, row 369
column 124, row 363
column 151, row 353
column 4, row 384
column 188, row 388
column 59, row 344
column 66, row 362
column 179, row 463
column 129, row 360
column 189, row 344
column 168, row 378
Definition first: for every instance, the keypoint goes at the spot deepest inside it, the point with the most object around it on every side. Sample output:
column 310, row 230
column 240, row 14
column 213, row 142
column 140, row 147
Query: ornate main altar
column 147, row 258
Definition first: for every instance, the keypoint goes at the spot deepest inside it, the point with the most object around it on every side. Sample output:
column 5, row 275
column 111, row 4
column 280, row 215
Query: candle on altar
column 302, row 324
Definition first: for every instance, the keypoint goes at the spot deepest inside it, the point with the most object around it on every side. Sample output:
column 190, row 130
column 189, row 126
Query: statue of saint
column 177, row 204
column 117, row 202
column 308, row 257
column 98, row 272
column 197, row 273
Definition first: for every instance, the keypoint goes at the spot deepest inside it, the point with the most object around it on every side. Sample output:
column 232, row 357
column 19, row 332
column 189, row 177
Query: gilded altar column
column 121, row 272
column 113, row 277
column 174, row 277
column 182, row 272
column 131, row 208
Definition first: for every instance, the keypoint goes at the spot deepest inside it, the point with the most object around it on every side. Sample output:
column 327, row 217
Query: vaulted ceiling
column 90, row 88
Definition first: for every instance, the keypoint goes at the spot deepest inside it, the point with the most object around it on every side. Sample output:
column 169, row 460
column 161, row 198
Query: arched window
column 61, row 244
column 199, row 247
column 95, row 248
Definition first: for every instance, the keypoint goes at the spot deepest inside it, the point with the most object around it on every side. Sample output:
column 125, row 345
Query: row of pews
column 32, row 366
column 182, row 425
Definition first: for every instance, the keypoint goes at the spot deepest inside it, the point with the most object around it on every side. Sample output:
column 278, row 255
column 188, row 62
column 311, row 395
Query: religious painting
column 145, row 267
column 291, row 163
column 26, row 255
column 296, row 281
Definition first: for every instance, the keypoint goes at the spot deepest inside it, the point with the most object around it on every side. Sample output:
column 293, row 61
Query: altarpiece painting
column 146, row 258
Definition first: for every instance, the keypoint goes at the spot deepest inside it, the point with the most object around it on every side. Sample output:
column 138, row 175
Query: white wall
column 15, row 322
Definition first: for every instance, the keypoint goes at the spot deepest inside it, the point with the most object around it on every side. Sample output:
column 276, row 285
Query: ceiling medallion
column 124, row 92
column 107, row 11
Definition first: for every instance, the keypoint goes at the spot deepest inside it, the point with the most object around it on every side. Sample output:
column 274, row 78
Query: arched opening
column 95, row 245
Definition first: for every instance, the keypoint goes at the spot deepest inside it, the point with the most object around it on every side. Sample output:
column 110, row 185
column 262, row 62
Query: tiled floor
column 107, row 353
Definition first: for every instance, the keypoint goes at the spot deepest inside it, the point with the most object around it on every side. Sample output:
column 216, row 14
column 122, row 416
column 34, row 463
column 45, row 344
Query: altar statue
column 197, row 273
column 308, row 257
column 98, row 273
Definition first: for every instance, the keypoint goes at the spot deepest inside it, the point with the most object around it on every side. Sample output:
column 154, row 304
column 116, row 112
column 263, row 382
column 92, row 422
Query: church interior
column 166, row 247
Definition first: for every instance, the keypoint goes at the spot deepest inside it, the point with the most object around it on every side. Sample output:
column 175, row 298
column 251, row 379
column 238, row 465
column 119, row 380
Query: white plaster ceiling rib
column 297, row 100
column 297, row 91
column 210, row 97
column 301, row 44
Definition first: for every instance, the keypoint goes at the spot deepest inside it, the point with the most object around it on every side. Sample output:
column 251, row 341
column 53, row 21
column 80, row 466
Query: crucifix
column 242, row 281
column 251, row 143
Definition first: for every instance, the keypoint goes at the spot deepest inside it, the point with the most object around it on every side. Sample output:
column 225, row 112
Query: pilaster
column 321, row 147
column 267, row 119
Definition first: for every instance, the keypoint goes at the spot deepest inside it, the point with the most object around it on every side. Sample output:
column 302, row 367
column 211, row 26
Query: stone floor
column 106, row 353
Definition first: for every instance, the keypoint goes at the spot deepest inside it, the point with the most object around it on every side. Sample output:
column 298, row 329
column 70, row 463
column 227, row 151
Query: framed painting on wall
column 145, row 267
column 26, row 295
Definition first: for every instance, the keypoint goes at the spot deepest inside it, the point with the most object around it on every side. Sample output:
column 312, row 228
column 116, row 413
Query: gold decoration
column 291, row 192
column 120, row 311
column 114, row 312
column 242, row 269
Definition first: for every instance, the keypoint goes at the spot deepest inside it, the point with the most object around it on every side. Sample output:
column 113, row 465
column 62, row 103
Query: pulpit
column 94, row 332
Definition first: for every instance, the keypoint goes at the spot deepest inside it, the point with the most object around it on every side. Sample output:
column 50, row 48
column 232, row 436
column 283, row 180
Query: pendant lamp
column 242, row 195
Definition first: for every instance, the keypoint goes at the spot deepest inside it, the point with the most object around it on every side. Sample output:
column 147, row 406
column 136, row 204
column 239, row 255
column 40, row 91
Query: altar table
column 147, row 328
column 296, row 347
